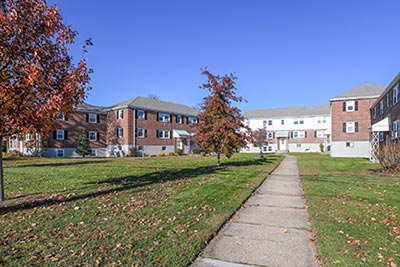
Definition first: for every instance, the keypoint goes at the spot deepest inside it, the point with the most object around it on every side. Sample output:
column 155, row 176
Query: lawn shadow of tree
column 61, row 164
column 119, row 184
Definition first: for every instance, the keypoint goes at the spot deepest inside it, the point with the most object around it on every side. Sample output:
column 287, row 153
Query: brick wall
column 362, row 116
column 76, row 124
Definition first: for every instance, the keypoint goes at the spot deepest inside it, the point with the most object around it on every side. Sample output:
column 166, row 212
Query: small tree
column 38, row 79
column 83, row 145
column 218, row 129
column 259, row 139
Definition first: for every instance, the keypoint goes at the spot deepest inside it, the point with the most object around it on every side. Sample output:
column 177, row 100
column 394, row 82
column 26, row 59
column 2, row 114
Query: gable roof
column 365, row 90
column 297, row 112
column 156, row 105
column 85, row 107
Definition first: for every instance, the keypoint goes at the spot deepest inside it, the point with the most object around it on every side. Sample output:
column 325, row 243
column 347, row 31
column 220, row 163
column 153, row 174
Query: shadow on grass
column 60, row 164
column 119, row 184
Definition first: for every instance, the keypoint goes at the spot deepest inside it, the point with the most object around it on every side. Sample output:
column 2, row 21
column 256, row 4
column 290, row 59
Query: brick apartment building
column 149, row 125
column 385, row 117
column 293, row 129
column 351, row 120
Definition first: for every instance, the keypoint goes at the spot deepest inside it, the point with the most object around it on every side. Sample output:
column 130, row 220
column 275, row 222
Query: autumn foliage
column 38, row 79
column 220, row 123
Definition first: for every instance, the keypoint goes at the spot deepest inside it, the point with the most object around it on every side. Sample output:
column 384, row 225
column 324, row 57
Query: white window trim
column 270, row 122
column 120, row 114
column 164, row 117
column 180, row 121
column 350, row 106
column 381, row 107
column 143, row 135
column 350, row 127
column 395, row 95
column 270, row 135
column 61, row 117
column 320, row 134
column 90, row 136
column 27, row 137
column 60, row 133
column 395, row 129
column 92, row 118
column 299, row 134
column 120, row 132
column 192, row 120
column 93, row 152
column 164, row 134
column 388, row 100
column 142, row 116
column 60, row 150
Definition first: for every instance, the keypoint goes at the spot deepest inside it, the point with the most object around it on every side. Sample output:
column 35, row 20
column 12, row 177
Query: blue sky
column 285, row 53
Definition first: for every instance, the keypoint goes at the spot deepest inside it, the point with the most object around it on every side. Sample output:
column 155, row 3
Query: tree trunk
column 219, row 159
column 1, row 172
column 261, row 154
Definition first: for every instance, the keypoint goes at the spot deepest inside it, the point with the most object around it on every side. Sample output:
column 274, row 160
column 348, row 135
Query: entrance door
column 282, row 144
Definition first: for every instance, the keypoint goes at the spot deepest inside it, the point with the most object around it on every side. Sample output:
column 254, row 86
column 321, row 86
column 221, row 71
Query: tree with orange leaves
column 220, row 123
column 38, row 79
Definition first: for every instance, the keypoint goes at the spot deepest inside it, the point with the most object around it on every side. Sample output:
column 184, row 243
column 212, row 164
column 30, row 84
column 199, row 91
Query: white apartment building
column 293, row 129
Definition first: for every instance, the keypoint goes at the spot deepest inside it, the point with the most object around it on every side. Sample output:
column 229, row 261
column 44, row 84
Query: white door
column 282, row 144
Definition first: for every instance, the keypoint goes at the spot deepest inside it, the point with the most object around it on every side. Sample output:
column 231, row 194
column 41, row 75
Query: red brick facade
column 361, row 116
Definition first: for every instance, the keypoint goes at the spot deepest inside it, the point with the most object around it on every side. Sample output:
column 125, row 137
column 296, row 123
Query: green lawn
column 355, row 211
column 120, row 212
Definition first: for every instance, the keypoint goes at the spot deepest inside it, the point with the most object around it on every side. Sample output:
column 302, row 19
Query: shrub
column 15, row 153
column 196, row 150
column 389, row 157
column 171, row 153
column 132, row 152
column 160, row 154
column 151, row 155
column 179, row 152
column 321, row 147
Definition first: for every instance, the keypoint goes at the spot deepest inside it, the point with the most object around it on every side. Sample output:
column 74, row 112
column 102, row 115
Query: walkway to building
column 271, row 230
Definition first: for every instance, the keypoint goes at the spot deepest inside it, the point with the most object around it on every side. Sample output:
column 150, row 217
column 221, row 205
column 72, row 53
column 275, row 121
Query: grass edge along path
column 354, row 210
column 122, row 212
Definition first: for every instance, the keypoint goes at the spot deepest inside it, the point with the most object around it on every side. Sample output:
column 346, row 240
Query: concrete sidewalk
column 270, row 231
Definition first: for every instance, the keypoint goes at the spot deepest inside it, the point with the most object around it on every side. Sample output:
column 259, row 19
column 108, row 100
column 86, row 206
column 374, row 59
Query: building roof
column 85, row 107
column 156, row 105
column 365, row 90
column 297, row 112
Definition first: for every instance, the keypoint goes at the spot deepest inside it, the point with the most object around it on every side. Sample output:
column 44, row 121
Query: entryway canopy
column 380, row 126
column 181, row 133
column 282, row 134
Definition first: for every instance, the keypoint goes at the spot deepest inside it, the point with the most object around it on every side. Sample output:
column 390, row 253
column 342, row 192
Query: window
column 381, row 107
column 350, row 127
column 269, row 148
column 141, row 133
column 298, row 145
column 61, row 117
column 37, row 136
column 120, row 114
column 163, row 134
column 296, row 122
column 141, row 115
column 93, row 153
column 381, row 136
column 373, row 111
column 350, row 106
column 120, row 132
column 92, row 136
column 349, row 144
column 192, row 120
column 265, row 124
column 269, row 122
column 60, row 134
column 301, row 121
column 282, row 122
column 163, row 148
column 28, row 137
column 388, row 100
column 395, row 129
column 270, row 135
column 163, row 117
column 59, row 153
column 319, row 134
column 179, row 119
column 396, row 94
column 92, row 118
column 140, row 148
column 264, row 149
column 299, row 134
